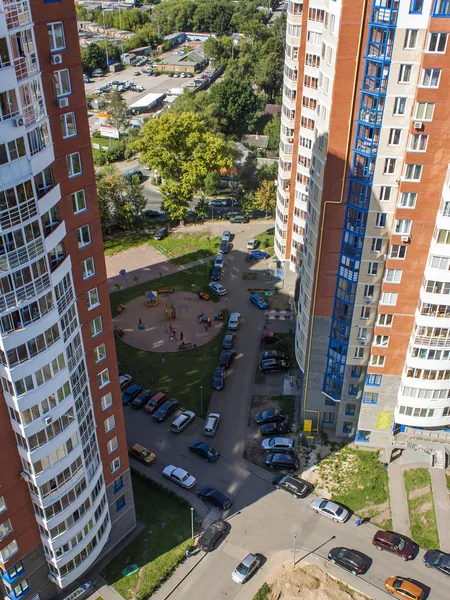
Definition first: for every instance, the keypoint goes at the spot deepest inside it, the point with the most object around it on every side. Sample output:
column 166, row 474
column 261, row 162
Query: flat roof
column 147, row 100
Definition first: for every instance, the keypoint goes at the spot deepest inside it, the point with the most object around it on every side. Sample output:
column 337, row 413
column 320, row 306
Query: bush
column 105, row 157
column 263, row 592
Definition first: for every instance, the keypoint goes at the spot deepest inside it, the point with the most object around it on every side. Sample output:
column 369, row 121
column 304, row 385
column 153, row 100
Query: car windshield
column 185, row 477
column 397, row 583
column 268, row 413
column 339, row 511
column 242, row 569
column 400, row 544
column 145, row 453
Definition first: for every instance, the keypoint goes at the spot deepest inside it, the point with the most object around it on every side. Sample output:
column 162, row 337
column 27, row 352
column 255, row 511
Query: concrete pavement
column 399, row 503
column 441, row 506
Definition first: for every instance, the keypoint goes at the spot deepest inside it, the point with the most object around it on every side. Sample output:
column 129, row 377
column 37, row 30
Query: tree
column 234, row 102
column 272, row 129
column 248, row 204
column 219, row 50
column 202, row 209
column 211, row 184
column 266, row 196
column 116, row 106
column 183, row 151
column 120, row 200
column 267, row 172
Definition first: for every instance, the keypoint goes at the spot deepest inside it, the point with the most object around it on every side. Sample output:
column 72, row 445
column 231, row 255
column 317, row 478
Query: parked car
column 233, row 322
column 217, row 289
column 274, row 429
column 273, row 365
column 395, row 543
column 219, row 261
column 269, row 337
column 86, row 78
column 136, row 73
column 155, row 402
column 141, row 400
column 150, row 214
column 270, row 231
column 179, row 476
column 258, row 301
column 211, row 535
column 219, row 378
column 204, row 450
column 182, row 421
column 271, row 415
column 216, row 273
column 252, row 244
column 404, row 589
column 124, row 380
column 211, row 424
column 226, row 358
column 239, row 219
column 226, row 236
column 258, row 255
column 224, row 247
column 246, row 568
column 228, row 341
column 165, row 410
column 282, row 461
column 273, row 354
column 330, row 509
column 299, row 488
column 130, row 393
column 437, row 560
column 161, row 234
column 142, row 454
column 133, row 172
column 350, row 560
column 278, row 444
column 218, row 202
column 216, row 498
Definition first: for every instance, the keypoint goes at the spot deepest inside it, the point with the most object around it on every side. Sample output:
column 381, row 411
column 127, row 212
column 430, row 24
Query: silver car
column 179, row 476
column 211, row 424
column 278, row 444
column 330, row 509
column 233, row 322
column 246, row 568
column 182, row 421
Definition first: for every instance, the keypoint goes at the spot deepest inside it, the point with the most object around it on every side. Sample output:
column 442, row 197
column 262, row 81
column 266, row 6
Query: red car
column 155, row 402
column 395, row 543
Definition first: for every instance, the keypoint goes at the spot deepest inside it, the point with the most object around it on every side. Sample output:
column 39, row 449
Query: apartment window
column 441, row 8
column 21, row 588
column 359, row 353
column 410, row 39
column 440, row 262
column 372, row 379
column 113, row 444
column 92, row 298
column 369, row 291
column 5, row 528
column 62, row 83
column 68, row 125
column 78, row 201
column 389, row 298
column 74, row 164
column 407, row 199
column 356, row 371
column 389, row 166
column 424, row 111
column 88, row 268
column 377, row 245
column 110, row 423
column 370, row 398
column 377, row 360
column 394, row 137
column 442, row 236
column 397, row 251
column 362, row 333
column 381, row 340
column 100, row 353
column 372, row 268
column 403, row 226
column 103, row 378
column 399, row 106
column 115, row 464
column 118, row 484
column 437, row 42
column 393, row 276
column 107, row 401
column 418, row 142
column 405, row 72
column 363, row 435
column 412, row 172
column 347, row 427
column 328, row 418
column 2, row 504
column 96, row 326
column 120, row 503
column 430, row 78
column 8, row 551
column 350, row 409
column 83, row 236
column 385, row 320
column 56, row 36
column 353, row 389
column 385, row 192
column 380, row 219
column 365, row 313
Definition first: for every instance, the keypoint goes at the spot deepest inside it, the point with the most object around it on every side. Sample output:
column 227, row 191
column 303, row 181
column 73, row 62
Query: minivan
column 161, row 233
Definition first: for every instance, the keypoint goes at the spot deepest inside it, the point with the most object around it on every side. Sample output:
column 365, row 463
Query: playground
column 168, row 320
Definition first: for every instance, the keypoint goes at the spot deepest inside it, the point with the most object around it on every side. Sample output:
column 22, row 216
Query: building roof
column 147, row 100
column 272, row 109
column 194, row 57
column 258, row 141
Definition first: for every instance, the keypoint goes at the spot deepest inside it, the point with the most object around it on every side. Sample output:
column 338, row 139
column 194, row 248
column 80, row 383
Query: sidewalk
column 441, row 506
column 399, row 503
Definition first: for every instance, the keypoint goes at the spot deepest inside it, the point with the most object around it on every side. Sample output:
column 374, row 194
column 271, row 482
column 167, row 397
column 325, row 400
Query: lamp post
column 295, row 541
column 192, row 522
column 201, row 400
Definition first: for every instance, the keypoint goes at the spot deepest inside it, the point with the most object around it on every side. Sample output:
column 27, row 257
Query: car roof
column 138, row 447
column 249, row 560
column 179, row 472
column 235, row 315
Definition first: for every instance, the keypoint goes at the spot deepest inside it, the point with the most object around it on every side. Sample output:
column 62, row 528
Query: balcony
column 14, row 259
column 17, row 297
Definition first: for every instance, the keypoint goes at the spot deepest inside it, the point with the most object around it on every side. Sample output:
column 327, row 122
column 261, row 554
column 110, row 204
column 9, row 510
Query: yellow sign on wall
column 383, row 421
column 307, row 426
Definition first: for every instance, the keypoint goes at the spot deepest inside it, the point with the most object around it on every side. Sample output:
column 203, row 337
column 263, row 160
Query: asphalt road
column 262, row 519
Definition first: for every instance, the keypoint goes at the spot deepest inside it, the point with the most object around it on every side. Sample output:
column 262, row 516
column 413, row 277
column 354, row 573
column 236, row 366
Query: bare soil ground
column 308, row 582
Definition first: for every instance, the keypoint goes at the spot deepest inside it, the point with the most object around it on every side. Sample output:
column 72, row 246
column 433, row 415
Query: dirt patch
column 423, row 508
column 423, row 491
column 307, row 582
column 275, row 301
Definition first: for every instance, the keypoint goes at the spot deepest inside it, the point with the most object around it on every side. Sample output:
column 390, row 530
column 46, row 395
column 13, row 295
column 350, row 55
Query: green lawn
column 422, row 517
column 266, row 242
column 125, row 242
column 287, row 406
column 159, row 548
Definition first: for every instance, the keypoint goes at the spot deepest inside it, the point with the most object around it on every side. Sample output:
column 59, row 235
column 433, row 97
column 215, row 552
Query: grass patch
column 287, row 406
column 182, row 248
column 158, row 549
column 125, row 242
column 263, row 592
column 266, row 242
column 422, row 517
column 447, row 477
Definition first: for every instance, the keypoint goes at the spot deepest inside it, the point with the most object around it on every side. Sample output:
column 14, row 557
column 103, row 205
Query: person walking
column 174, row 333
column 166, row 328
column 181, row 336
column 358, row 521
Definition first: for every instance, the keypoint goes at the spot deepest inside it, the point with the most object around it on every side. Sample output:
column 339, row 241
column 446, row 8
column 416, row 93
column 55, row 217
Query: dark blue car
column 215, row 497
column 216, row 273
column 258, row 301
column 258, row 255
column 130, row 393
column 205, row 451
column 437, row 560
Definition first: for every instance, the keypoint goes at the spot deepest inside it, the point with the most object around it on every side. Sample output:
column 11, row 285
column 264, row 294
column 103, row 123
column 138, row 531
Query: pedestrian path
column 399, row 503
column 441, row 506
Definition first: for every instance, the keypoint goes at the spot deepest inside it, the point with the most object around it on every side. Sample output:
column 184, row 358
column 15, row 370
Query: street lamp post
column 295, row 541
column 201, row 400
column 192, row 522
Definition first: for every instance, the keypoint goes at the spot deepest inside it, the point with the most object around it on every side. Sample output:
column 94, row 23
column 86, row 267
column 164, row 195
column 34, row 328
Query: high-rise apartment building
column 363, row 213
column 65, row 490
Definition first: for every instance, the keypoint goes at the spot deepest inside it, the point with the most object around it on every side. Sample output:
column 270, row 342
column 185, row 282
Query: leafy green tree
column 120, row 201
column 116, row 106
column 183, row 151
column 235, row 104
column 269, row 74
column 219, row 50
column 198, row 104
column 211, row 184
column 267, row 172
column 248, row 203
column 202, row 209
column 145, row 36
column 94, row 56
column 272, row 129
column 266, row 196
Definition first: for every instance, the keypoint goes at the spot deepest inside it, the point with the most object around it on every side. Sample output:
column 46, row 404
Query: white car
column 219, row 261
column 226, row 236
column 217, row 288
column 182, row 421
column 252, row 244
column 233, row 322
column 330, row 509
column 278, row 444
column 211, row 424
column 179, row 476
column 246, row 568
column 124, row 380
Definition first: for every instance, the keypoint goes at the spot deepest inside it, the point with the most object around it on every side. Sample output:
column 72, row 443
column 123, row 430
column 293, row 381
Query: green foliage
column 266, row 196
column 263, row 592
column 248, row 204
column 145, row 36
column 219, row 50
column 235, row 104
column 211, row 184
column 422, row 515
column 117, row 107
column 267, row 172
column 272, row 129
column 106, row 157
column 94, row 56
column 202, row 209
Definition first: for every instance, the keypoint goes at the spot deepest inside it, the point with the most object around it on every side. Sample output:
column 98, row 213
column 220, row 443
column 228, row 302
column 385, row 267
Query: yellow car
column 404, row 589
column 142, row 454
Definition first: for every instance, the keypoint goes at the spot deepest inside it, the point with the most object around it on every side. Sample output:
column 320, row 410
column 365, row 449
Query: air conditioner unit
column 290, row 140
column 48, row 420
column 18, row 122
column 56, row 59
column 406, row 239
column 418, row 124
column 368, row 300
column 63, row 102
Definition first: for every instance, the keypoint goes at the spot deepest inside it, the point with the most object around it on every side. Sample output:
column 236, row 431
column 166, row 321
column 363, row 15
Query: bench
column 165, row 290
column 203, row 296
column 184, row 345
column 120, row 309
